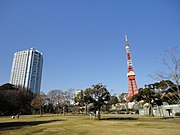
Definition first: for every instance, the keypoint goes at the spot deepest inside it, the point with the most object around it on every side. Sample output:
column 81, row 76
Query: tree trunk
column 40, row 111
column 86, row 108
column 127, row 110
column 150, row 110
column 159, row 109
column 99, row 113
column 63, row 110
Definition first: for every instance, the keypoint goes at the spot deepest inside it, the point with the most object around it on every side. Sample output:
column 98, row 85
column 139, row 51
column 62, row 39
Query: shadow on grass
column 16, row 125
column 121, row 118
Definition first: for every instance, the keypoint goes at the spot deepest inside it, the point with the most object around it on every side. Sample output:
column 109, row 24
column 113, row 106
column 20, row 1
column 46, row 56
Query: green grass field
column 82, row 125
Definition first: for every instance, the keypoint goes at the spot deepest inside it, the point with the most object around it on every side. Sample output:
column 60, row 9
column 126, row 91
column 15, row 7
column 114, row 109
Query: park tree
column 157, row 93
column 171, row 62
column 52, row 95
column 39, row 102
column 168, row 91
column 60, row 99
column 8, row 86
column 14, row 100
column 94, row 97
column 148, row 95
column 55, row 100
column 67, row 97
column 113, row 100
column 84, row 98
column 9, row 104
column 88, row 98
column 124, row 102
column 79, row 99
column 100, row 96
column 24, row 97
column 122, row 97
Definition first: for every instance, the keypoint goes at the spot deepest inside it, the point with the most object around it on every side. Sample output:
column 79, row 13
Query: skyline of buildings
column 27, row 69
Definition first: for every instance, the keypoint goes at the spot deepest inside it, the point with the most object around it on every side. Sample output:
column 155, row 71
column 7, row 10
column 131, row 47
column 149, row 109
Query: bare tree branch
column 171, row 61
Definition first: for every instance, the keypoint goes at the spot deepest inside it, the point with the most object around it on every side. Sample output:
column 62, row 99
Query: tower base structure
column 132, row 86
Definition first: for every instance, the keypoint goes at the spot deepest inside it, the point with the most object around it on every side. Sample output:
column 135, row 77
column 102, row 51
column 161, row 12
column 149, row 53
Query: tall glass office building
column 27, row 69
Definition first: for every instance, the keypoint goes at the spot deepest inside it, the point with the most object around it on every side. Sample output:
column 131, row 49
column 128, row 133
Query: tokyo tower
column 132, row 84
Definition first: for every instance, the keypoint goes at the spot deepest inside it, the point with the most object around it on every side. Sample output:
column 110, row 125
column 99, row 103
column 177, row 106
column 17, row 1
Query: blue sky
column 83, row 43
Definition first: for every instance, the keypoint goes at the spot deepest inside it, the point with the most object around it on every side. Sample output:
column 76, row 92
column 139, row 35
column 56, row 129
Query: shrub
column 177, row 114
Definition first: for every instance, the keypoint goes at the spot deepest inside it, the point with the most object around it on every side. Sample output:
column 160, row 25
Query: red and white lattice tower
column 132, row 84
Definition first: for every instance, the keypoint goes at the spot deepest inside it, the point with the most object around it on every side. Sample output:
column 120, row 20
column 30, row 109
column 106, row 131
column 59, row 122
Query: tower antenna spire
column 126, row 39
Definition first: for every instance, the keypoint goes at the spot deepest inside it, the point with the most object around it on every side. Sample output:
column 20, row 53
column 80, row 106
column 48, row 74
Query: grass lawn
column 82, row 125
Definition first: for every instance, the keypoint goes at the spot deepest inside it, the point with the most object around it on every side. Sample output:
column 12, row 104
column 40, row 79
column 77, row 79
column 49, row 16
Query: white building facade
column 27, row 69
